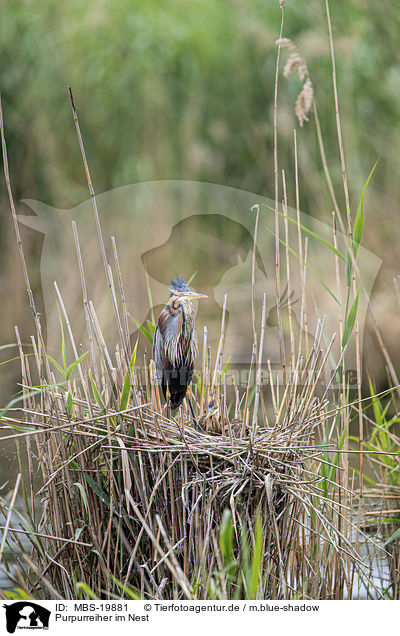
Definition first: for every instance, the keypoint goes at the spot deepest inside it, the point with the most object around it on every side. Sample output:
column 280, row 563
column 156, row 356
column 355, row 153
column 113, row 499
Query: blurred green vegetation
column 184, row 89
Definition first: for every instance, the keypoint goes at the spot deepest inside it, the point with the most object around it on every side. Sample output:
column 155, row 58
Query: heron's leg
column 190, row 406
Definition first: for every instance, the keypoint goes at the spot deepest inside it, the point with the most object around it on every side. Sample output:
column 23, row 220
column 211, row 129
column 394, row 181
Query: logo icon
column 26, row 615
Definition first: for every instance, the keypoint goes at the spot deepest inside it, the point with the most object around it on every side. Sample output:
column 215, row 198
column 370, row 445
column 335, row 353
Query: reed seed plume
column 296, row 65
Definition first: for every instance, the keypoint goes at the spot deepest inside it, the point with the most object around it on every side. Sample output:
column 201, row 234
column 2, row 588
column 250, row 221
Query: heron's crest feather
column 178, row 285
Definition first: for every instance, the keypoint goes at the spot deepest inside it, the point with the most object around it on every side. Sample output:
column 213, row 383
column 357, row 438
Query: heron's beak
column 212, row 410
column 191, row 295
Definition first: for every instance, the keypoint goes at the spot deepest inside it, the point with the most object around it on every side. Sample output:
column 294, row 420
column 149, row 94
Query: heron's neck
column 184, row 309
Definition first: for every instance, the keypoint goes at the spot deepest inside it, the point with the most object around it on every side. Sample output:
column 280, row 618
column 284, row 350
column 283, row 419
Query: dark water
column 9, row 469
column 5, row 582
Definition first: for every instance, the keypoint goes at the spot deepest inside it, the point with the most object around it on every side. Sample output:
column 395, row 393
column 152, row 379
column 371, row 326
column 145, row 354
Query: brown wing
column 159, row 346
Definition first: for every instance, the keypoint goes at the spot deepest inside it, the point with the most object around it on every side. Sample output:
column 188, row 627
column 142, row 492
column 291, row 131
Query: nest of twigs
column 134, row 500
column 142, row 496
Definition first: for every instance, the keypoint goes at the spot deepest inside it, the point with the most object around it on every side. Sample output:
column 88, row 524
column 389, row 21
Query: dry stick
column 337, row 271
column 338, row 125
column 382, row 346
column 37, row 358
column 311, row 362
column 74, row 349
column 203, row 371
column 286, row 222
column 237, row 398
column 259, row 362
column 101, row 342
column 25, row 369
column 180, row 578
column 23, row 263
column 10, row 509
column 245, row 408
column 277, row 272
column 264, row 410
column 79, row 422
column 156, row 397
column 111, row 507
column 335, row 371
column 360, row 414
column 19, row 241
column 64, row 545
column 26, row 379
column 24, row 372
column 157, row 565
column 159, row 480
column 70, row 459
column 344, row 459
column 346, row 194
column 268, row 488
column 384, row 350
column 271, row 384
column 281, row 407
column 98, row 226
column 220, row 345
column 146, row 379
column 54, row 593
column 332, row 193
column 323, row 158
column 208, row 375
column 334, row 411
column 320, row 370
column 253, row 274
column 85, row 300
column 48, row 536
column 301, row 263
column 304, row 298
column 39, row 446
column 156, row 400
column 122, row 293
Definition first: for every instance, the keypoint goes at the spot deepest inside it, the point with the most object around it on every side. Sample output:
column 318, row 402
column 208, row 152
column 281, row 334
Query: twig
column 8, row 520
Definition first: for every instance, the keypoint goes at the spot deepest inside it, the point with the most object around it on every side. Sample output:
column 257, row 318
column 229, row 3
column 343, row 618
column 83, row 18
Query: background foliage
column 184, row 90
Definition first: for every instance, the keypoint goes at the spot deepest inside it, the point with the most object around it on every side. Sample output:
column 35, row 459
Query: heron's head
column 182, row 292
column 213, row 409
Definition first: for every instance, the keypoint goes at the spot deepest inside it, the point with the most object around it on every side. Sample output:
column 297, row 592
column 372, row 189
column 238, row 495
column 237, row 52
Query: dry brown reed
column 132, row 497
